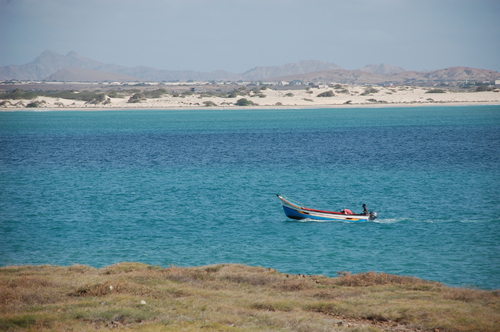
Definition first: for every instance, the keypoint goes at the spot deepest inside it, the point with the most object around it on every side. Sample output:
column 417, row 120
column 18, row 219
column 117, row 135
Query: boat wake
column 388, row 221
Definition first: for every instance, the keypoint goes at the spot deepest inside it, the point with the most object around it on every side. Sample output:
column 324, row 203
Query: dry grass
column 233, row 298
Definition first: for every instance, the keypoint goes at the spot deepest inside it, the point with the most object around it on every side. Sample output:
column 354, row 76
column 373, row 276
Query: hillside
column 46, row 64
column 301, row 67
column 88, row 75
column 229, row 297
column 49, row 62
column 382, row 69
column 453, row 74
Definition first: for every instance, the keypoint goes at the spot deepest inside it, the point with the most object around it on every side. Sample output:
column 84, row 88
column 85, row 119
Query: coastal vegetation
column 436, row 91
column 328, row 93
column 230, row 297
column 245, row 102
column 209, row 103
column 162, row 96
column 84, row 95
column 36, row 104
column 137, row 98
column 369, row 91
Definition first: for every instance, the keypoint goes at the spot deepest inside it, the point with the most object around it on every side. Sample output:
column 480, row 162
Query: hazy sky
column 238, row 35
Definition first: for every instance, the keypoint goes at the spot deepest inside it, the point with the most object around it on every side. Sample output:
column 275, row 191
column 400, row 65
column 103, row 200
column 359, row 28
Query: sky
column 238, row 35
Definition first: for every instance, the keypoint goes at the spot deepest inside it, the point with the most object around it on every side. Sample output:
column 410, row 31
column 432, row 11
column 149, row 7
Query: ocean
column 198, row 187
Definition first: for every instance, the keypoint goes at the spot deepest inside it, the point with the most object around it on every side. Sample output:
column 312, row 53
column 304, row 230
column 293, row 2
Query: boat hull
column 296, row 212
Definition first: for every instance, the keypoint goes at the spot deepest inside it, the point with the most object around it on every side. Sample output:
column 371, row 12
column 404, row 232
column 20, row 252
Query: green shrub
column 36, row 104
column 158, row 93
column 100, row 98
column 369, row 91
column 238, row 92
column 484, row 88
column 209, row 103
column 87, row 96
column 244, row 102
column 18, row 94
column 137, row 98
column 326, row 94
column 113, row 94
column 436, row 91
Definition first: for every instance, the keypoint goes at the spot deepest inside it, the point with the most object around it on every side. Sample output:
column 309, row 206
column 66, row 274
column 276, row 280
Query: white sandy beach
column 348, row 96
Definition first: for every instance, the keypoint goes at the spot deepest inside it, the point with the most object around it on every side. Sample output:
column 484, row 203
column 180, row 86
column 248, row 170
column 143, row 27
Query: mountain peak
column 301, row 67
column 47, row 55
column 382, row 69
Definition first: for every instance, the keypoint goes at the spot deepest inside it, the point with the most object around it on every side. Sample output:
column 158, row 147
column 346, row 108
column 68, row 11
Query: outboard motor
column 373, row 215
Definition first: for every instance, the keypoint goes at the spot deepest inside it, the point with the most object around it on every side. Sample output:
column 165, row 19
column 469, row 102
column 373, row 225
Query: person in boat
column 346, row 211
column 365, row 210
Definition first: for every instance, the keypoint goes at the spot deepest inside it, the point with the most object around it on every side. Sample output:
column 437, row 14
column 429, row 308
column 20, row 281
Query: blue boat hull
column 297, row 212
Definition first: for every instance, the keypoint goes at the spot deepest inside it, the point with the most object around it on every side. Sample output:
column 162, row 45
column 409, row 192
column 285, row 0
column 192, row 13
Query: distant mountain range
column 51, row 66
column 452, row 74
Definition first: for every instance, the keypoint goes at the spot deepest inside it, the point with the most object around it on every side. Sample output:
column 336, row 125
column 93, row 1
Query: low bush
column 436, row 91
column 18, row 94
column 369, row 91
column 328, row 93
column 158, row 93
column 484, row 88
column 242, row 91
column 244, row 102
column 36, row 104
column 342, row 91
column 209, row 103
column 137, row 98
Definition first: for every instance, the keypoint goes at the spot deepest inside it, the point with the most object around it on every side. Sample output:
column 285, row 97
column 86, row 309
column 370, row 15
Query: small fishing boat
column 296, row 211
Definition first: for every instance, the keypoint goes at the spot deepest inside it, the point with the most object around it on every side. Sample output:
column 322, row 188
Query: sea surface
column 197, row 187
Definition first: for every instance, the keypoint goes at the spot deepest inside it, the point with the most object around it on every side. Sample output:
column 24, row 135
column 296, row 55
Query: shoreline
column 266, row 98
column 149, row 108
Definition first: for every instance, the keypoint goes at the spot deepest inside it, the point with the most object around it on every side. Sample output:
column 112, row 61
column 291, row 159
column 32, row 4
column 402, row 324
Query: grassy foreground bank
column 231, row 297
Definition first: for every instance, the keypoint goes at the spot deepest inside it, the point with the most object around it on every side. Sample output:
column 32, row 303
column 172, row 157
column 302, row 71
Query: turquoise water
column 197, row 187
